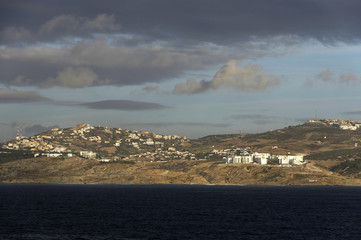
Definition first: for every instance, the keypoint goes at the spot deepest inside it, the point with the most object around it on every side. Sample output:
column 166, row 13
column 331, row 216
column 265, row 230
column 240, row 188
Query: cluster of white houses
column 342, row 124
column 246, row 157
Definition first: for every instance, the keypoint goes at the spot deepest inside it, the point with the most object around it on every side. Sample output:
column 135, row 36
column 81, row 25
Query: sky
column 191, row 67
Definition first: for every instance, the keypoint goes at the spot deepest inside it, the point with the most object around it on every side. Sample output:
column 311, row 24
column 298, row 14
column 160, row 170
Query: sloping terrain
column 83, row 171
column 333, row 157
column 308, row 138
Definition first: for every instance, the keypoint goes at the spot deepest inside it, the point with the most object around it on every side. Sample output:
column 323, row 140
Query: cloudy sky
column 189, row 67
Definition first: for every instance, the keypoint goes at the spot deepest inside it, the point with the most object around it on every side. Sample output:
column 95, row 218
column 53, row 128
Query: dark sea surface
column 178, row 212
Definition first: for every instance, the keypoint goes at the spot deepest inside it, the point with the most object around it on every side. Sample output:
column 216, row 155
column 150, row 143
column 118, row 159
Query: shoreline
column 169, row 184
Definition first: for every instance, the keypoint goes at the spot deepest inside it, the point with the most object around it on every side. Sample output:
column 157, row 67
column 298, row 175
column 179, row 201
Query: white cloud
column 326, row 76
column 244, row 78
column 329, row 76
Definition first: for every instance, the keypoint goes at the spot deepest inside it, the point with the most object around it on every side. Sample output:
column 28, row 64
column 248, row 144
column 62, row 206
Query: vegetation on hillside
column 7, row 155
column 335, row 154
column 348, row 167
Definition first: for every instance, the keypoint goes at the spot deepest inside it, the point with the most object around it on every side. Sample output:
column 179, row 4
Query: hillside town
column 341, row 124
column 116, row 144
column 102, row 143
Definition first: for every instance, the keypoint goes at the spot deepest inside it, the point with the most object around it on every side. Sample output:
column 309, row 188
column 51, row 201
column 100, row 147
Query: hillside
column 83, row 171
column 331, row 150
column 113, row 143
column 308, row 139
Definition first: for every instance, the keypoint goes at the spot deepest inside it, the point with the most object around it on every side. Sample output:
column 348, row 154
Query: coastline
column 82, row 171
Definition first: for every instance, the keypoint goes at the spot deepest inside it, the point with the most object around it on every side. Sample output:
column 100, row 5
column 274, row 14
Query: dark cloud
column 93, row 63
column 216, row 21
column 14, row 96
column 149, row 41
column 59, row 27
column 124, row 105
column 73, row 25
column 245, row 78
column 36, row 129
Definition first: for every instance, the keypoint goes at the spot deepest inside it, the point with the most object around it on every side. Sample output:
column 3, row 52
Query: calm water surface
column 178, row 212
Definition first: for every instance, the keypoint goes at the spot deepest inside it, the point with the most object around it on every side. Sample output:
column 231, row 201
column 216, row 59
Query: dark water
column 178, row 212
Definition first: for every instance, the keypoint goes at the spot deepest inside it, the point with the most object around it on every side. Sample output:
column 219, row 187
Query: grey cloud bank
column 325, row 20
column 94, row 63
column 130, row 42
column 125, row 105
column 14, row 96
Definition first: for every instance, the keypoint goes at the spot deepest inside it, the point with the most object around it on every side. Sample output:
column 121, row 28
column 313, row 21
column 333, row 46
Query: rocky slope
column 83, row 171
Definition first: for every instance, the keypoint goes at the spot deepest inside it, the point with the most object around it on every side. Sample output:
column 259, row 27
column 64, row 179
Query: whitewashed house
column 135, row 144
column 149, row 141
column 53, row 154
column 296, row 159
column 290, row 159
column 87, row 154
column 104, row 160
column 283, row 159
column 261, row 158
column 237, row 159
column 228, row 160
column 241, row 159
column 59, row 149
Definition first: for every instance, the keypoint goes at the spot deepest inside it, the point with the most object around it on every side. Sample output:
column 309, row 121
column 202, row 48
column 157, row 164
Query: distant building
column 87, row 154
column 261, row 158
column 149, row 141
column 52, row 154
column 290, row 159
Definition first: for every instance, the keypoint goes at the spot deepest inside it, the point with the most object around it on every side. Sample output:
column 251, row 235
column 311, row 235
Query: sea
column 46, row 211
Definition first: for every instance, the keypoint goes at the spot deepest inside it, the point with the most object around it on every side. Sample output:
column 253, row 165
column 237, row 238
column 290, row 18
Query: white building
column 228, row 159
column 149, row 141
column 87, row 154
column 59, row 149
column 261, row 158
column 241, row 159
column 52, row 154
column 283, row 159
column 133, row 136
column 104, row 160
column 348, row 127
column 290, row 159
column 296, row 159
